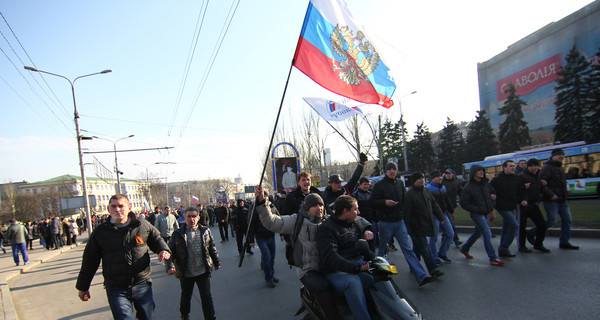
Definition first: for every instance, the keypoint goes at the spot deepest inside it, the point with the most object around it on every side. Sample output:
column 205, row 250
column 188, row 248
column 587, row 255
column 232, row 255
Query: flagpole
column 341, row 135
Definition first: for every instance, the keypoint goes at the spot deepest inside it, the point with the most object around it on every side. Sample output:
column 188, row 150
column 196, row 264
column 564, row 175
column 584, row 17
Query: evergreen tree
column 593, row 112
column 450, row 147
column 391, row 141
column 513, row 133
column 481, row 140
column 572, row 98
column 421, row 155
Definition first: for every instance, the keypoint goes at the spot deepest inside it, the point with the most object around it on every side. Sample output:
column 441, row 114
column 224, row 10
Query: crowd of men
column 323, row 228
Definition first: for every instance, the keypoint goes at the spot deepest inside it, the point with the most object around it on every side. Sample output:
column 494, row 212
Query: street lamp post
column 404, row 147
column 118, row 189
column 79, row 138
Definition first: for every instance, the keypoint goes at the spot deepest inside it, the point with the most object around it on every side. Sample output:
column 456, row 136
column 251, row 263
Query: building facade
column 532, row 65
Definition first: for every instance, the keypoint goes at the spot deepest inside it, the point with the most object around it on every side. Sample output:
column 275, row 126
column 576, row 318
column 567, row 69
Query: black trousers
column 187, row 289
column 223, row 230
column 532, row 212
column 239, row 239
column 317, row 284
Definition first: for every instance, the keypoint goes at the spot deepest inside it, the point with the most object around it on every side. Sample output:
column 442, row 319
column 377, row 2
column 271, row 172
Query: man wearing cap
column 421, row 213
column 478, row 198
column 388, row 198
column 553, row 174
column 509, row 194
column 440, row 194
column 454, row 189
column 533, row 191
column 335, row 188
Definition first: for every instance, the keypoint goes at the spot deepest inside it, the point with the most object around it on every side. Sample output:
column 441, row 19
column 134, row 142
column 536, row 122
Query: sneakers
column 393, row 248
column 270, row 284
column 457, row 243
column 568, row 246
column 466, row 253
column 446, row 259
column 425, row 281
column 542, row 249
column 27, row 262
column 276, row 280
column 525, row 250
column 497, row 262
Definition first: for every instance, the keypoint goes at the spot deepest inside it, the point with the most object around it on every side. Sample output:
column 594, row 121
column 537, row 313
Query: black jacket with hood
column 476, row 195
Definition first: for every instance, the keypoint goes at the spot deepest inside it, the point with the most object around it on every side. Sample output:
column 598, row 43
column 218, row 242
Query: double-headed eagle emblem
column 358, row 56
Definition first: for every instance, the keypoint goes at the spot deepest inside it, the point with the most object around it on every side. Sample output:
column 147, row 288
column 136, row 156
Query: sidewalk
column 9, row 270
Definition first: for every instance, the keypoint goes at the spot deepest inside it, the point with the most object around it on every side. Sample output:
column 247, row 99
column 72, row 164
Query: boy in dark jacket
column 478, row 198
column 534, row 189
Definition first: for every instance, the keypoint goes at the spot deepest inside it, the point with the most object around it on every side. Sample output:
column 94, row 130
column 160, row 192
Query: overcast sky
column 221, row 119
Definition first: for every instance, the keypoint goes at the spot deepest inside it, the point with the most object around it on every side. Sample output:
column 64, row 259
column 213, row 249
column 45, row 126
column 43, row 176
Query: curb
column 8, row 309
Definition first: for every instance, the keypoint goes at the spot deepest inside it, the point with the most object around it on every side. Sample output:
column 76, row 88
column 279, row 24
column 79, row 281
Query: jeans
column 187, row 289
column 451, row 219
column 267, row 256
column 19, row 247
column 510, row 227
column 373, row 242
column 123, row 301
column 398, row 230
column 355, row 288
column 481, row 228
column 447, row 236
column 422, row 249
column 532, row 212
column 560, row 208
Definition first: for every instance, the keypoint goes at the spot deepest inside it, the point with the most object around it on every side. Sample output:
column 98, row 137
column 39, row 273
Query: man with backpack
column 302, row 228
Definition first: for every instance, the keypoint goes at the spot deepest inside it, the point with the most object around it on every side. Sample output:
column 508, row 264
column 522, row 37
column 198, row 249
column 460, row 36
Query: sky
column 213, row 100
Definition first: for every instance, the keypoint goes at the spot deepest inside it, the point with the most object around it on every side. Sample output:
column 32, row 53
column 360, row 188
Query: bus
column 582, row 165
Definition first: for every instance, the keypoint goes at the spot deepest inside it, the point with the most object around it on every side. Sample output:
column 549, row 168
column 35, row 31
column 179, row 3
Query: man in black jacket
column 388, row 198
column 122, row 244
column 509, row 193
column 419, row 210
column 454, row 189
column 534, row 189
column 363, row 196
column 265, row 239
column 478, row 198
column 222, row 220
column 553, row 174
column 339, row 259
column 241, row 221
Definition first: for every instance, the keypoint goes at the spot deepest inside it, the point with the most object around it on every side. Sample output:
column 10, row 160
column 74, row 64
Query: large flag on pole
column 336, row 53
column 331, row 110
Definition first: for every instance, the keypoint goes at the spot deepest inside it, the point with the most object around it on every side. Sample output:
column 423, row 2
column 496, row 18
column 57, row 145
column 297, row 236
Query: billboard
column 532, row 65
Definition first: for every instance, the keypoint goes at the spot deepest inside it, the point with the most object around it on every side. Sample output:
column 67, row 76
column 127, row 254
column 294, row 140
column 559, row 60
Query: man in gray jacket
column 17, row 234
column 166, row 223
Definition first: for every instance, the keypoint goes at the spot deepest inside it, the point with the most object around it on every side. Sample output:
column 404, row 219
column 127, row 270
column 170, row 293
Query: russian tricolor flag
column 336, row 53
column 194, row 199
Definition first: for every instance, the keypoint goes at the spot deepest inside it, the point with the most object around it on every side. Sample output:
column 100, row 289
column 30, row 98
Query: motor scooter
column 389, row 301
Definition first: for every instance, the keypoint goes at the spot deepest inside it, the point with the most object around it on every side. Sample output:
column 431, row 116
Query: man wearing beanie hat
column 533, row 191
column 420, row 215
column 454, row 190
column 478, row 198
column 440, row 194
column 388, row 198
column 309, row 216
column 335, row 188
column 553, row 174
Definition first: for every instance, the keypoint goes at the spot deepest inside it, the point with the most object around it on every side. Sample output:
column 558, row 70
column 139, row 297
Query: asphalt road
column 560, row 285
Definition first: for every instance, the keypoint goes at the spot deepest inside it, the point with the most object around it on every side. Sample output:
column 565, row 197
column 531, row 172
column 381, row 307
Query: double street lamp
column 118, row 189
column 78, row 136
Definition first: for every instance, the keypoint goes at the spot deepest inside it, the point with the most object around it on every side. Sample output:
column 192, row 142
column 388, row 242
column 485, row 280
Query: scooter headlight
column 390, row 268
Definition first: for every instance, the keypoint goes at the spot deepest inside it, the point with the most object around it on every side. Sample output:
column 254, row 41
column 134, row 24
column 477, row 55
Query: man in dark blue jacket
column 441, row 197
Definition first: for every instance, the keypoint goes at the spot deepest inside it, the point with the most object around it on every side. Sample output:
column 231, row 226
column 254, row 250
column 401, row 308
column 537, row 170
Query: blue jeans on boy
column 398, row 230
column 481, row 228
column 510, row 227
column 447, row 237
column 126, row 302
column 561, row 208
column 19, row 247
column 267, row 256
column 355, row 288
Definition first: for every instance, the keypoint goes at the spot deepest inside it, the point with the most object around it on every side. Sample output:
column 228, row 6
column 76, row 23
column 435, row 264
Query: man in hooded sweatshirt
column 478, row 198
